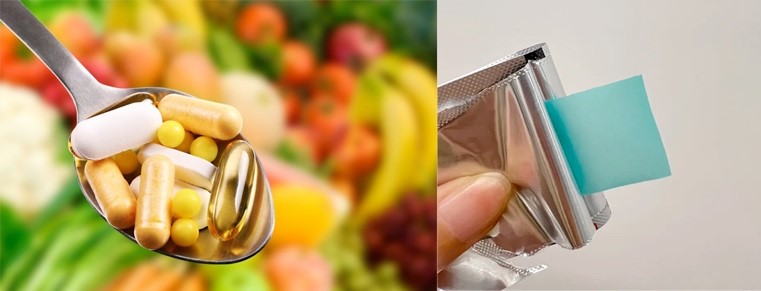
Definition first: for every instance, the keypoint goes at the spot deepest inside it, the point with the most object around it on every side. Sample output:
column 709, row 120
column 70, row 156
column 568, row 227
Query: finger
column 469, row 210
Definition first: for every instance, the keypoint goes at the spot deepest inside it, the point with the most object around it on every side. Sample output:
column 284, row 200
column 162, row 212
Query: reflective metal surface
column 92, row 97
column 494, row 120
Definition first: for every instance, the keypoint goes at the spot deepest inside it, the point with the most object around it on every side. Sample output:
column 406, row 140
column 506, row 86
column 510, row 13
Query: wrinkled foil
column 494, row 120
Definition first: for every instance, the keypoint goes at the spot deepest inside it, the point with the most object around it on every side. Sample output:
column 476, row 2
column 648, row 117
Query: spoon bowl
column 92, row 98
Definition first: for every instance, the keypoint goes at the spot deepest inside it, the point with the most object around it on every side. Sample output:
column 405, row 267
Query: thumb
column 468, row 209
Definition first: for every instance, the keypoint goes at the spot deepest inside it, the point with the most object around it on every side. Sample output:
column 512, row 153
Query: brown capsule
column 112, row 192
column 203, row 117
column 154, row 219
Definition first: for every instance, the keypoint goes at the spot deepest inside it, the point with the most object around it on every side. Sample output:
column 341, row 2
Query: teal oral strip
column 609, row 136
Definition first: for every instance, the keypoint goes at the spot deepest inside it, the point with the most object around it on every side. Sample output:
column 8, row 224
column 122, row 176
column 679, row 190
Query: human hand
column 467, row 209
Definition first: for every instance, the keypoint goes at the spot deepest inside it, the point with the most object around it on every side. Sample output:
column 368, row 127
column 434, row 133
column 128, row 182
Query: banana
column 151, row 19
column 418, row 85
column 120, row 15
column 187, row 14
column 399, row 130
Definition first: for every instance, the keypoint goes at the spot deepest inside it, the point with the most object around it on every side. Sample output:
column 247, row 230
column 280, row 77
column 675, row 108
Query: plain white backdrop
column 701, row 61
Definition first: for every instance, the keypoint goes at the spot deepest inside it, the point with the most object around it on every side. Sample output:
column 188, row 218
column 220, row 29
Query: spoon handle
column 86, row 91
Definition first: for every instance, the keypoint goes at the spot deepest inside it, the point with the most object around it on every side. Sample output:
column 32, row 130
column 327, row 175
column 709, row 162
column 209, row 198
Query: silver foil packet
column 494, row 120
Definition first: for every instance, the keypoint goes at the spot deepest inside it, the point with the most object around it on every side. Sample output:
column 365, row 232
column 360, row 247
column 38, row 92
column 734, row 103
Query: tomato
column 298, row 63
column 358, row 153
column 328, row 120
column 335, row 80
column 292, row 104
column 260, row 23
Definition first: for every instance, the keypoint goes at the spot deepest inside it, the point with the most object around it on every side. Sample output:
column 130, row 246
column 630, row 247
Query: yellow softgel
column 171, row 133
column 126, row 161
column 204, row 147
column 184, row 232
column 185, row 204
column 185, row 144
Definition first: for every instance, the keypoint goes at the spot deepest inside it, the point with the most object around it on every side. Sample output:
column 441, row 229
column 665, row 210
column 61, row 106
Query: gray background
column 699, row 228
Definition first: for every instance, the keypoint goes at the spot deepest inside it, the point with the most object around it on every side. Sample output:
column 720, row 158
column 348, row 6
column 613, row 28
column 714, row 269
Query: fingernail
column 473, row 208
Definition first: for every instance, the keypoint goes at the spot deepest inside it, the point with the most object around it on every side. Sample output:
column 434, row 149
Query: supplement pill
column 189, row 168
column 186, row 142
column 202, row 117
column 171, row 133
column 235, row 187
column 126, row 161
column 203, row 194
column 112, row 192
column 153, row 219
column 115, row 131
column 184, row 232
column 204, row 147
column 185, row 204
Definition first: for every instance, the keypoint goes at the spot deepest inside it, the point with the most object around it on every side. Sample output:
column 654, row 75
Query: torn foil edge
column 558, row 214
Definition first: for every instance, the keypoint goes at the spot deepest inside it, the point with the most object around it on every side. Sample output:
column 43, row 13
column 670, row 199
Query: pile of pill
column 170, row 153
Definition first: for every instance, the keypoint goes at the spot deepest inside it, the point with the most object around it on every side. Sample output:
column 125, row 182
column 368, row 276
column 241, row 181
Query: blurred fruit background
column 338, row 98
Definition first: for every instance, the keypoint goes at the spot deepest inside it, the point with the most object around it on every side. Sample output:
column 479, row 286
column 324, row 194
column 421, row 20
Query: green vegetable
column 228, row 54
column 14, row 234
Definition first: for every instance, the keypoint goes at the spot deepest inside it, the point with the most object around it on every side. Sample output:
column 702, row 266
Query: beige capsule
column 112, row 192
column 154, row 220
column 203, row 117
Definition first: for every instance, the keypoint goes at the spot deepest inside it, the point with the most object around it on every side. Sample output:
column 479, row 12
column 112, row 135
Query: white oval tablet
column 115, row 131
column 200, row 217
column 188, row 168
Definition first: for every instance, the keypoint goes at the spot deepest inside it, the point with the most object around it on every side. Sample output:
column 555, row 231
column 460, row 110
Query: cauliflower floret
column 30, row 173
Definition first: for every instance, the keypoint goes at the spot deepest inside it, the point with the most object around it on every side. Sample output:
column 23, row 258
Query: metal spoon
column 92, row 98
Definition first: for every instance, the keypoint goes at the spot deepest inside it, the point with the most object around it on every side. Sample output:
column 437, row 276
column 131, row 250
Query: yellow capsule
column 202, row 117
column 204, row 147
column 236, row 183
column 126, row 161
column 112, row 192
column 153, row 218
column 186, row 142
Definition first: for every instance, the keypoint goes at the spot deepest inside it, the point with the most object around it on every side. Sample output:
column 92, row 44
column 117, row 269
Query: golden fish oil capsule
column 202, row 117
column 112, row 192
column 232, row 196
column 153, row 220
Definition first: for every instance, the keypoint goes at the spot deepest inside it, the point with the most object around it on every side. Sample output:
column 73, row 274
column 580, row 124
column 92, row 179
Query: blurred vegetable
column 328, row 119
column 14, row 233
column 19, row 65
column 236, row 278
column 298, row 148
column 298, row 63
column 31, row 139
column 345, row 252
column 158, row 275
column 75, row 32
column 261, row 23
column 355, row 45
column 292, row 102
column 295, row 269
column 258, row 101
column 358, row 152
column 136, row 58
column 297, row 206
column 227, row 52
column 335, row 80
column 74, row 251
column 195, row 74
